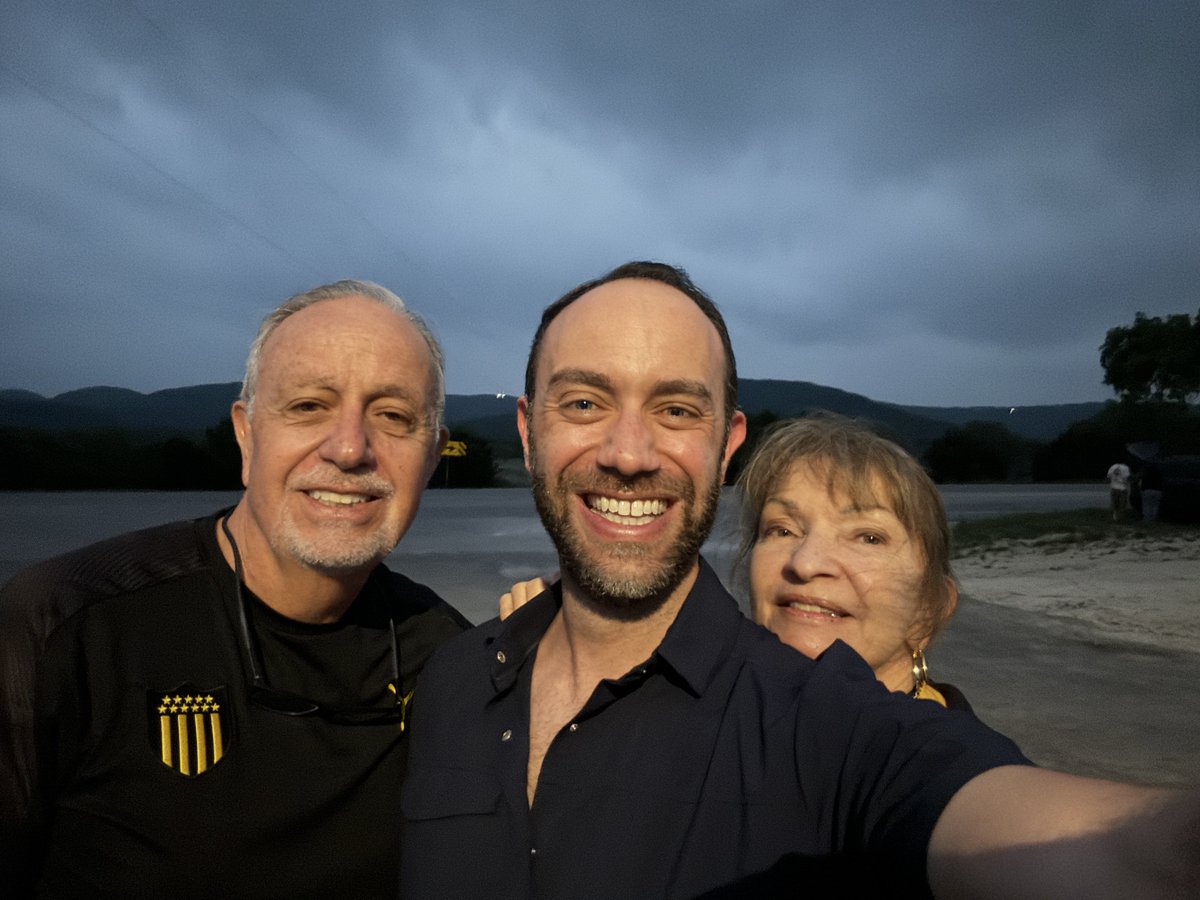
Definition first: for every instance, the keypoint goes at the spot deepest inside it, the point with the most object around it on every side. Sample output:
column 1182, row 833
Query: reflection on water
column 467, row 544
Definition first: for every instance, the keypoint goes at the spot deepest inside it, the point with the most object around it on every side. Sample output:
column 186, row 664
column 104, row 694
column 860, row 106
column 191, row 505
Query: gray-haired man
column 217, row 707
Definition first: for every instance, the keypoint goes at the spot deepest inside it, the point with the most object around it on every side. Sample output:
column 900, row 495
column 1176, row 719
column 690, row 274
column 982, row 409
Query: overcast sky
column 927, row 203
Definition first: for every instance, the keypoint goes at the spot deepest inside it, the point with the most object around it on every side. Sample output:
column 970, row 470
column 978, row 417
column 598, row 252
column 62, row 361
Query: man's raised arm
column 1025, row 832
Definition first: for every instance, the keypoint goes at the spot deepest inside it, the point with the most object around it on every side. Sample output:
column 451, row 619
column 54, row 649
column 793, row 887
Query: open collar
column 695, row 645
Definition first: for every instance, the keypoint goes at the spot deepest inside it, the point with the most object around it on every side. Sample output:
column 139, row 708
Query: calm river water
column 466, row 544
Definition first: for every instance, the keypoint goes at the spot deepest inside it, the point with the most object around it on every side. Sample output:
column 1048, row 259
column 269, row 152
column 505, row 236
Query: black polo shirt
column 725, row 763
column 133, row 763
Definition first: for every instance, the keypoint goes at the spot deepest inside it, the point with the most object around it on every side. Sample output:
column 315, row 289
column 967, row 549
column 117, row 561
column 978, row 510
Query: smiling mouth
column 801, row 606
column 335, row 498
column 627, row 512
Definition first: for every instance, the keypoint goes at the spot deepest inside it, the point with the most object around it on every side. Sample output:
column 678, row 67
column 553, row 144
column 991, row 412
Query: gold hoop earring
column 920, row 671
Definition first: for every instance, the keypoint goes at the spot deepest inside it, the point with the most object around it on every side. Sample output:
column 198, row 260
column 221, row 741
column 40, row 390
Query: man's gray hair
column 335, row 291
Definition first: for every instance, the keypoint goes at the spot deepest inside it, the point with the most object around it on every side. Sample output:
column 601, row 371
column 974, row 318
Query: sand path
column 1087, row 654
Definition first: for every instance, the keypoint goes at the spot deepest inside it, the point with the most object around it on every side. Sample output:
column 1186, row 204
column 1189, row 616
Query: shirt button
column 533, row 851
column 500, row 657
column 574, row 726
column 506, row 735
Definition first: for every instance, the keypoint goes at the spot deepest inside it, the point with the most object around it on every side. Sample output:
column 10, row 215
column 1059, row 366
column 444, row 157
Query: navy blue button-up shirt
column 726, row 762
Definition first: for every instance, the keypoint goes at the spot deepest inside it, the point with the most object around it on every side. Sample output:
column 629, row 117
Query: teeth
column 628, row 512
column 813, row 608
column 339, row 499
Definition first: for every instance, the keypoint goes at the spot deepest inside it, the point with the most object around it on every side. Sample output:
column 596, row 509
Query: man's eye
column 583, row 408
column 578, row 404
column 398, row 421
column 306, row 406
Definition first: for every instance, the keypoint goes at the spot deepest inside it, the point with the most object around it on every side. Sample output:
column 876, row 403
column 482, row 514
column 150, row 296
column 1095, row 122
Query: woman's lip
column 811, row 606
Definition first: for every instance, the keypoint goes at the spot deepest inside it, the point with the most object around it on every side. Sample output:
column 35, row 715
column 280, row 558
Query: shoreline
column 1144, row 589
column 1086, row 654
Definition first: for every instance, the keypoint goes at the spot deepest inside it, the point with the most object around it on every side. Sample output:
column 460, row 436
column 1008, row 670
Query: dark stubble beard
column 611, row 587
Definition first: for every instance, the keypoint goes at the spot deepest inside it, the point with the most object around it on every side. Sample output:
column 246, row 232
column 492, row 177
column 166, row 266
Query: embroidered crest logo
column 189, row 727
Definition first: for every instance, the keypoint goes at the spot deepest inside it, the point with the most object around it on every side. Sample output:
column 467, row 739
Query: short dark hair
column 672, row 276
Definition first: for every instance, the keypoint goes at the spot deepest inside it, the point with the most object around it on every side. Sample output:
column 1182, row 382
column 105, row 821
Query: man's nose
column 348, row 444
column 629, row 446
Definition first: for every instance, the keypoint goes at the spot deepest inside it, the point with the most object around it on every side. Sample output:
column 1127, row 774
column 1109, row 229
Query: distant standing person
column 1118, row 488
column 1150, row 480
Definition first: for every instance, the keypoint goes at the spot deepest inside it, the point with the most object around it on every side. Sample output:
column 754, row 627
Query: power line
column 312, row 171
column 146, row 161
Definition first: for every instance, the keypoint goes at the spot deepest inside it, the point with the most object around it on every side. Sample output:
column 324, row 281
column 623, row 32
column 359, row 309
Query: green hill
column 493, row 417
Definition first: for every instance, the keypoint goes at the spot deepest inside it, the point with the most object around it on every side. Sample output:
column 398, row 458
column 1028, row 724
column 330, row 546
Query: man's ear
column 737, row 436
column 435, row 451
column 244, row 435
column 523, row 427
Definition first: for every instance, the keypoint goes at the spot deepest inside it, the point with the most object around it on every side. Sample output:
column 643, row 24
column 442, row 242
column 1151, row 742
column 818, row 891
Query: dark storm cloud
column 924, row 202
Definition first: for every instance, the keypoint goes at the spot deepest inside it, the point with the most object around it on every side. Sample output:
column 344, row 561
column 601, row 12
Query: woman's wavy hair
column 860, row 465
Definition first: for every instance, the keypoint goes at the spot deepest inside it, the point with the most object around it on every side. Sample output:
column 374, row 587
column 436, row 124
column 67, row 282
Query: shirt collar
column 703, row 633
column 519, row 636
column 698, row 641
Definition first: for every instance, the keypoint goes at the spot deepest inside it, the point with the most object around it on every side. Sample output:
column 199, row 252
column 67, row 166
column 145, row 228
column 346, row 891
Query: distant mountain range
column 192, row 409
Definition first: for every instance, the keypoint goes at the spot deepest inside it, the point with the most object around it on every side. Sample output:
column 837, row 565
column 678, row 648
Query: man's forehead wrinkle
column 645, row 353
column 334, row 384
column 402, row 391
column 318, row 380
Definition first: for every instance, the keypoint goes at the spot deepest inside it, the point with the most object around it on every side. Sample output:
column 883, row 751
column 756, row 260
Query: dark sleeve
column 38, row 684
column 26, row 619
column 900, row 761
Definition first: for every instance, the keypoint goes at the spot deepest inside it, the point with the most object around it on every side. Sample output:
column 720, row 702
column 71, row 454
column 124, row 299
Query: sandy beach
column 1087, row 654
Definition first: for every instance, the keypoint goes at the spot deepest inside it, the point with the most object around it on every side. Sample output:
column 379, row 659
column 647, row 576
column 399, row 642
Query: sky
column 934, row 203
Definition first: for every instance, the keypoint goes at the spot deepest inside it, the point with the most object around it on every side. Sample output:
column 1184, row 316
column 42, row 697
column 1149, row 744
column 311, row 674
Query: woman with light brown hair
column 844, row 536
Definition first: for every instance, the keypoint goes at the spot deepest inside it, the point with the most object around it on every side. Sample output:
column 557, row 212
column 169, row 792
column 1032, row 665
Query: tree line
column 34, row 459
column 118, row 459
column 1152, row 364
column 1154, row 367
